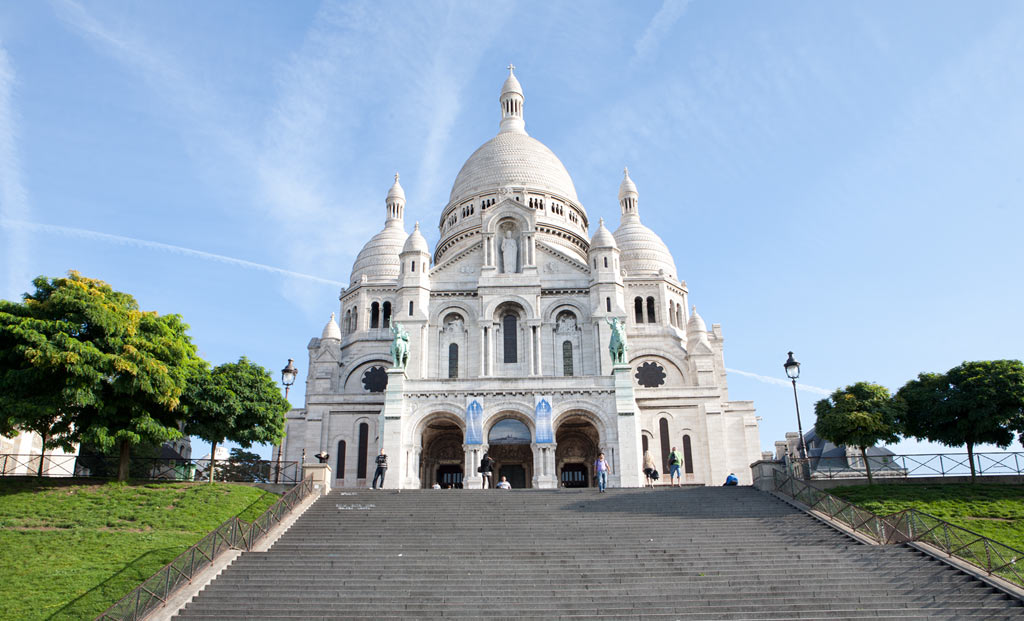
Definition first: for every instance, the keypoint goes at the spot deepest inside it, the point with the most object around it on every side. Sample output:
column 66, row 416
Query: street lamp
column 288, row 375
column 793, row 372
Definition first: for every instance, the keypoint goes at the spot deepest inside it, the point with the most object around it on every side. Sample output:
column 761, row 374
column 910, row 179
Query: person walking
column 648, row 468
column 486, row 471
column 675, row 461
column 382, row 469
column 601, row 469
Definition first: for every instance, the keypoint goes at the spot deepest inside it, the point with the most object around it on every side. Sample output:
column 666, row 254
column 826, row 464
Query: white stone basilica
column 509, row 327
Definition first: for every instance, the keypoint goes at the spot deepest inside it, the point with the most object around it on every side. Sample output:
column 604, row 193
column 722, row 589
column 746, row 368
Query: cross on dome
column 511, row 68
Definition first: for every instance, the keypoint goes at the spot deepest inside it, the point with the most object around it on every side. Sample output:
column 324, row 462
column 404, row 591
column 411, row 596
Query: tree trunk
column 42, row 455
column 867, row 464
column 213, row 459
column 970, row 458
column 124, row 461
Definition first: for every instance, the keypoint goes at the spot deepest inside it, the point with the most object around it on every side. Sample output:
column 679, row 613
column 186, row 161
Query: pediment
column 326, row 354
column 551, row 260
column 467, row 262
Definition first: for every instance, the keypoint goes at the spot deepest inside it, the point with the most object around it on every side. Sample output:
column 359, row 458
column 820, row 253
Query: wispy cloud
column 13, row 197
column 781, row 382
column 647, row 45
column 22, row 226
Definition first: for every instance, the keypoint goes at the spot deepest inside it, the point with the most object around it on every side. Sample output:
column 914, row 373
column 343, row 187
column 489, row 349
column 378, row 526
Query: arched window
column 687, row 455
column 650, row 310
column 340, row 470
column 638, row 307
column 453, row 360
column 413, row 270
column 364, row 447
column 679, row 315
column 348, row 321
column 606, row 261
column 374, row 315
column 410, row 308
column 646, row 444
column 567, row 358
column 386, row 321
column 508, row 326
column 608, row 304
column 671, row 312
column 665, row 447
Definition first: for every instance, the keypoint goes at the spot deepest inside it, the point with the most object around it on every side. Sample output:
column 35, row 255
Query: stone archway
column 509, row 445
column 577, row 447
column 443, row 457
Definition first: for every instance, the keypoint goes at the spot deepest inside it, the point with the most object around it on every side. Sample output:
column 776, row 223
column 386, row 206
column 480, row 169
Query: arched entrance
column 508, row 443
column 442, row 458
column 576, row 451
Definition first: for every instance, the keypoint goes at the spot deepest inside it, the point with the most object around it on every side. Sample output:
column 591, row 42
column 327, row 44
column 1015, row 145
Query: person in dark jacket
column 486, row 471
column 382, row 469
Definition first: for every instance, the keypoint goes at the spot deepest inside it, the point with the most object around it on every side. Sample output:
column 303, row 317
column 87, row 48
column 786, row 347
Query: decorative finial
column 600, row 222
column 417, row 225
column 511, row 68
column 396, row 177
column 332, row 316
column 693, row 309
column 625, row 170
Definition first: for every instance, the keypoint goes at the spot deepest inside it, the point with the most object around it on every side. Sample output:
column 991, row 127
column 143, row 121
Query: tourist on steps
column 731, row 480
column 601, row 469
column 382, row 469
column 648, row 468
column 504, row 484
column 675, row 460
column 486, row 470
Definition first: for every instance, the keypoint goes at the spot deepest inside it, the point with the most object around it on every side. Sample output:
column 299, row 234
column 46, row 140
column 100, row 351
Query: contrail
column 781, row 382
column 144, row 243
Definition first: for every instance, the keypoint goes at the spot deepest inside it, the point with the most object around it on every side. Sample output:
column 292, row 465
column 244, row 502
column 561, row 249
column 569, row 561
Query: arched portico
column 442, row 457
column 578, row 444
column 510, row 444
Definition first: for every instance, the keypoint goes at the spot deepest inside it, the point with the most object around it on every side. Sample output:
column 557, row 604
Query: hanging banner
column 474, row 422
column 542, row 419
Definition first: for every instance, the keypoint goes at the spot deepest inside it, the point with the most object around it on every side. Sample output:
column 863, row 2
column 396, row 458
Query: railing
column 904, row 466
column 909, row 526
column 234, row 534
column 153, row 468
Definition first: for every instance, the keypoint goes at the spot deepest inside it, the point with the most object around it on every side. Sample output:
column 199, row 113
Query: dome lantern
column 395, row 202
column 628, row 196
column 512, row 105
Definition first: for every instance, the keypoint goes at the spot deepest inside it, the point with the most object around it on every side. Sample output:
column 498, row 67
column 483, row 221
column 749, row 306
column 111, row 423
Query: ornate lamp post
column 793, row 372
column 288, row 375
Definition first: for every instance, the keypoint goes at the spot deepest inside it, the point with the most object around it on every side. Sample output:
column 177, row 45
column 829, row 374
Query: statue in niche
column 453, row 325
column 566, row 324
column 509, row 253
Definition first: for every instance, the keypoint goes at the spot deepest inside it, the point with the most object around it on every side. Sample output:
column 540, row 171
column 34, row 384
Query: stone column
column 471, row 479
column 629, row 467
column 544, row 476
column 321, row 475
column 490, row 351
column 390, row 427
column 483, row 351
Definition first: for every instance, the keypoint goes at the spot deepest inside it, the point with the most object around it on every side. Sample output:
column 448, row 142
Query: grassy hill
column 995, row 511
column 70, row 549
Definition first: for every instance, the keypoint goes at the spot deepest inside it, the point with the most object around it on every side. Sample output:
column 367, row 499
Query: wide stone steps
column 694, row 553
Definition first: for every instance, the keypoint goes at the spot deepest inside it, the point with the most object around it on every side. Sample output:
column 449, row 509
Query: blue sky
column 843, row 180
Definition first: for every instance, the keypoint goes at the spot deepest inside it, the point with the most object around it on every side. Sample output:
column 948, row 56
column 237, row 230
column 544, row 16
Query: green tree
column 81, row 362
column 236, row 401
column 979, row 402
column 860, row 415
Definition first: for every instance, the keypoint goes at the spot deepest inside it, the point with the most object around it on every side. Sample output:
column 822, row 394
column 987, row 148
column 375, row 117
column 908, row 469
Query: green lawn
column 995, row 511
column 69, row 550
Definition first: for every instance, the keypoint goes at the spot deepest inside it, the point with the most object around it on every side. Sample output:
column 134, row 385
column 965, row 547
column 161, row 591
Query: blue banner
column 542, row 416
column 474, row 423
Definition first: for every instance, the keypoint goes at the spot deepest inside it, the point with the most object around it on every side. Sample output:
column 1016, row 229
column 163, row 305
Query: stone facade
column 509, row 327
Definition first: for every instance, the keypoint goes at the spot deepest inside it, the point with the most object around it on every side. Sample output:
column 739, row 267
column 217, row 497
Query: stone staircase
column 693, row 553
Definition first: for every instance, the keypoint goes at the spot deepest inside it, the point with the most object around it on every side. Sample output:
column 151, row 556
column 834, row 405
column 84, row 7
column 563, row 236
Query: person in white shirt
column 504, row 484
column 436, row 485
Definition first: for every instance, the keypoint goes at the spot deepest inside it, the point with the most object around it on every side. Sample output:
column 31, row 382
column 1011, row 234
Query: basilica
column 508, row 324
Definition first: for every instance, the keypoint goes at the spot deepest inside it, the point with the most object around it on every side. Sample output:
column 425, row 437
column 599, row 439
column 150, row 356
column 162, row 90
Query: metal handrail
column 151, row 468
column 909, row 466
column 233, row 534
column 909, row 526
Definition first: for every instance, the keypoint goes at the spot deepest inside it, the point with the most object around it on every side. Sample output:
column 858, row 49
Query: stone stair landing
column 690, row 553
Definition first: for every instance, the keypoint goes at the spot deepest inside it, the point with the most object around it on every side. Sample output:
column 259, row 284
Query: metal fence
column 234, row 534
column 904, row 466
column 910, row 526
column 152, row 468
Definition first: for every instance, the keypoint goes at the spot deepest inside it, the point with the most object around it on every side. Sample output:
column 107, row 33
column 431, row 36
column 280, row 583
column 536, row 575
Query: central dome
column 515, row 159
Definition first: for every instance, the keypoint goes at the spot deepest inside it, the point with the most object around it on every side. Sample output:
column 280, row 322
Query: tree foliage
column 236, row 401
column 81, row 362
column 979, row 402
column 860, row 415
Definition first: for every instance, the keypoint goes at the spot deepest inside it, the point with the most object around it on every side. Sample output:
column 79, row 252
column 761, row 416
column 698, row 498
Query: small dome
column 511, row 85
column 416, row 242
column 696, row 322
column 396, row 190
column 643, row 252
column 513, row 159
column 603, row 238
column 331, row 330
column 378, row 260
column 627, row 188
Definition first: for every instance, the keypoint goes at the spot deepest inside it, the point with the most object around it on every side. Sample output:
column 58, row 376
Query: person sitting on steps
column 504, row 484
column 731, row 480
